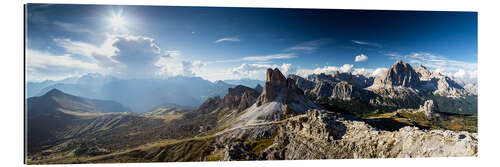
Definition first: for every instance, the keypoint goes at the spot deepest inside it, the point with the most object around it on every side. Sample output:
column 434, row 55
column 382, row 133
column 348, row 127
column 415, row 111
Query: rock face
column 442, row 85
column 401, row 74
column 355, row 80
column 472, row 88
column 211, row 104
column 343, row 91
column 449, row 88
column 323, row 89
column 280, row 94
column 428, row 108
column 240, row 97
column 320, row 135
column 302, row 83
column 277, row 84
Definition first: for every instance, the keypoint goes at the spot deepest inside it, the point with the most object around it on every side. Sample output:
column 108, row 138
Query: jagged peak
column 238, row 90
column 401, row 74
column 275, row 76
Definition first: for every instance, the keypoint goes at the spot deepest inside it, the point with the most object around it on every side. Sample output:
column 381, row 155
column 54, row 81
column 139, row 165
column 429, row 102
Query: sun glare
column 117, row 21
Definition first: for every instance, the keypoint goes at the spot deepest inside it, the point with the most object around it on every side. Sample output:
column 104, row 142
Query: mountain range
column 140, row 95
column 408, row 112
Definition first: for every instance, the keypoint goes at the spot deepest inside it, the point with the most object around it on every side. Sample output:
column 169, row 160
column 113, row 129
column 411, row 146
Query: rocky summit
column 401, row 74
column 279, row 94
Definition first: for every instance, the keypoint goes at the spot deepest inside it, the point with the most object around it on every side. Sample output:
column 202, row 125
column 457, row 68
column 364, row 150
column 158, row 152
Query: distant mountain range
column 252, row 83
column 342, row 115
column 139, row 94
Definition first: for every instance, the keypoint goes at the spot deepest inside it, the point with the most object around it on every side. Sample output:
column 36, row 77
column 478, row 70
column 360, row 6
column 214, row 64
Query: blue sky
column 232, row 43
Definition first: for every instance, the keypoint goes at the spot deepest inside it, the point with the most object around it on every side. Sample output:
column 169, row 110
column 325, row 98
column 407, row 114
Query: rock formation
column 280, row 94
column 302, row 83
column 240, row 97
column 401, row 74
column 428, row 108
column 323, row 89
column 322, row 135
column 343, row 91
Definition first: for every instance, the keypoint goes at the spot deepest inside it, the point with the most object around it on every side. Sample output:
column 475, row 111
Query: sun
column 117, row 21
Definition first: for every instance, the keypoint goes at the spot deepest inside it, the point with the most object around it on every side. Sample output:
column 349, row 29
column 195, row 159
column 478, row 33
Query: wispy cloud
column 70, row 27
column 228, row 39
column 41, row 65
column 306, row 47
column 360, row 58
column 270, row 57
column 258, row 71
column 366, row 43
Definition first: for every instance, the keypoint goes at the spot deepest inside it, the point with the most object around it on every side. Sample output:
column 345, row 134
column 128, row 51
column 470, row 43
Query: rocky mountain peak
column 240, row 97
column 275, row 77
column 279, row 94
column 401, row 74
column 277, row 84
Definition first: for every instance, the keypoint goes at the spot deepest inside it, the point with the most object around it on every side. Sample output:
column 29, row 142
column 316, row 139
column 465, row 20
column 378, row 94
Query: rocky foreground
column 320, row 134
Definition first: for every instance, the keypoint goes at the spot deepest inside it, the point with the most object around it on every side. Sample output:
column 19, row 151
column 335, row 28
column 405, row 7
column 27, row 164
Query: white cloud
column 270, row 57
column 306, row 47
column 71, row 27
column 258, row 71
column 100, row 54
column 43, row 65
column 379, row 71
column 228, row 39
column 360, row 58
column 325, row 69
column 173, row 53
column 344, row 68
column 365, row 43
column 137, row 56
column 129, row 56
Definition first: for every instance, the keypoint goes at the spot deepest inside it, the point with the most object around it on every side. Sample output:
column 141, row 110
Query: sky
column 234, row 43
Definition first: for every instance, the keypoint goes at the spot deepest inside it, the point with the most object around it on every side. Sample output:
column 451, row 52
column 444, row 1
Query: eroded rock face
column 428, row 108
column 472, row 88
column 277, row 84
column 302, row 138
column 343, row 91
column 302, row 83
column 320, row 125
column 247, row 99
column 401, row 74
column 323, row 89
column 279, row 95
column 211, row 104
column 240, row 97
